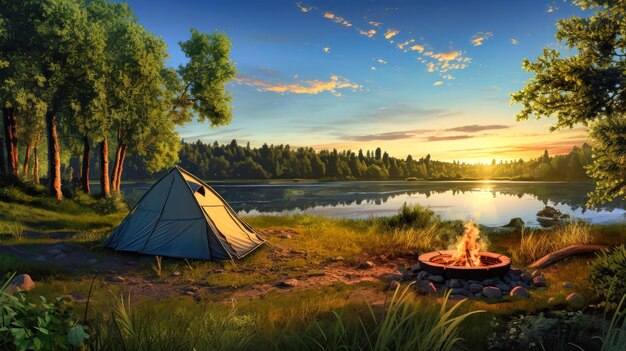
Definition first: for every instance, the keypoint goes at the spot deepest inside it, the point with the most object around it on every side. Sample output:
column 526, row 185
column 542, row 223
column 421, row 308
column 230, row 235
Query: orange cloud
column 304, row 8
column 370, row 33
column 479, row 38
column 437, row 83
column 313, row 87
column 402, row 45
column 417, row 47
column 375, row 24
column 391, row 33
column 337, row 19
column 382, row 61
column 445, row 56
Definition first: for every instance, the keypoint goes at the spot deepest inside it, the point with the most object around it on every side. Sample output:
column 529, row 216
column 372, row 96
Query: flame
column 467, row 247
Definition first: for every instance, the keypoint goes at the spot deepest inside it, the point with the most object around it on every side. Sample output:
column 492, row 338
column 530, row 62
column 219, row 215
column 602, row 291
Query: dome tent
column 181, row 216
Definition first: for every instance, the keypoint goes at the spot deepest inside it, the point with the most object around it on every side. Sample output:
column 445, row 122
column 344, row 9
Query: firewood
column 566, row 252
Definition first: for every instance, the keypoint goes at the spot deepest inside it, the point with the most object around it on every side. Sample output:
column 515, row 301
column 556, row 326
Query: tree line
column 228, row 161
column 84, row 74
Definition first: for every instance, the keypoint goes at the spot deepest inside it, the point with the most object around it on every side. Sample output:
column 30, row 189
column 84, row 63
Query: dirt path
column 131, row 272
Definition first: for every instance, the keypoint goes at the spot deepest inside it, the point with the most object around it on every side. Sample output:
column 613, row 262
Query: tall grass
column 535, row 244
column 401, row 241
column 614, row 338
column 411, row 216
column 405, row 324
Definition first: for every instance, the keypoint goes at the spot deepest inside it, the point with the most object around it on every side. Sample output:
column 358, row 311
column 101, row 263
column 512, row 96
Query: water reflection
column 491, row 203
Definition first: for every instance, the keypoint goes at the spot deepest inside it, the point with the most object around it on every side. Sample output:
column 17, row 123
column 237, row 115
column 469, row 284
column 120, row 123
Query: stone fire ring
column 494, row 265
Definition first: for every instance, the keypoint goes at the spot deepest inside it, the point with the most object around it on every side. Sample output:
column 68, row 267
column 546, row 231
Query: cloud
column 333, row 85
column 417, row 47
column 399, row 135
column 403, row 112
column 305, row 8
column 437, row 83
column 337, row 19
column 479, row 38
column 381, row 61
column 373, row 68
column 445, row 56
column 326, row 50
column 474, row 128
column 369, row 33
column 375, row 24
column 551, row 9
column 391, row 33
column 514, row 41
column 447, row 138
column 402, row 45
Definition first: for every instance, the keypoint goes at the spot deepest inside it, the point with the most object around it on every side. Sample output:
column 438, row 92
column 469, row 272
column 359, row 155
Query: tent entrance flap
column 181, row 216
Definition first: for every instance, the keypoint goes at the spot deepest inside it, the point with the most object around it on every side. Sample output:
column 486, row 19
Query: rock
column 116, row 279
column 551, row 300
column 519, row 291
column 366, row 265
column 426, row 287
column 488, row 282
column 284, row 236
column 516, row 272
column 391, row 277
column 475, row 288
column 436, row 278
column 455, row 283
column 423, row 275
column 416, row 268
column 93, row 261
column 506, row 279
column 462, row 292
column 490, row 292
column 337, row 259
column 407, row 275
column 539, row 281
column 288, row 283
column 394, row 285
column 60, row 256
column 22, row 282
column 55, row 251
column 526, row 278
column 503, row 287
column 536, row 273
column 176, row 273
column 568, row 285
column 458, row 297
column 515, row 223
column 574, row 300
column 478, row 294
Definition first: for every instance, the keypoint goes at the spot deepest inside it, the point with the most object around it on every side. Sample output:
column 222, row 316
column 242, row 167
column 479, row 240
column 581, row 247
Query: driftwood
column 566, row 252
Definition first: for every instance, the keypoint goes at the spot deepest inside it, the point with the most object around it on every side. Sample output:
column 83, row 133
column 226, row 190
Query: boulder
column 526, row 278
column 462, row 292
column 22, row 282
column 575, row 301
column 426, row 287
column 475, row 288
column 539, row 281
column 490, row 292
column 423, row 275
column 519, row 291
column 503, row 287
column 455, row 283
column 488, row 282
column 416, row 268
column 436, row 278
column 366, row 265
column 515, row 223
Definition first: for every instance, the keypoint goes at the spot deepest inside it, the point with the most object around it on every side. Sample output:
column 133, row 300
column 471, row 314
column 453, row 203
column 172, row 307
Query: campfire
column 467, row 261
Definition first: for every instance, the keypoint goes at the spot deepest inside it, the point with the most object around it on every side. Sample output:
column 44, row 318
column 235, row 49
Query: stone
column 568, row 285
column 516, row 271
column 574, row 300
column 93, row 261
column 519, row 291
column 515, row 222
column 488, row 282
column 539, row 281
column 22, row 282
column 407, row 275
column 366, row 265
column 526, row 278
column 116, row 279
column 60, row 256
column 416, row 268
column 288, row 283
column 423, row 275
column 551, row 300
column 176, row 273
column 506, row 279
column 503, row 287
column 455, row 283
column 478, row 294
column 462, row 292
column 337, row 259
column 284, row 236
column 458, row 297
column 475, row 288
column 436, row 278
column 55, row 251
column 394, row 285
column 426, row 287
column 490, row 292
column 536, row 273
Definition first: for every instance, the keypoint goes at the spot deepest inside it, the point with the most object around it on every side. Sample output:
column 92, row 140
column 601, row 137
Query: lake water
column 489, row 202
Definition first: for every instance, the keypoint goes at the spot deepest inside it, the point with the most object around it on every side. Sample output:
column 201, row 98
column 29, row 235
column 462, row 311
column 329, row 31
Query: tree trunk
column 566, row 252
column 2, row 167
column 35, row 166
column 54, row 157
column 85, row 169
column 104, row 168
column 26, row 160
column 120, row 168
column 10, row 139
column 116, row 164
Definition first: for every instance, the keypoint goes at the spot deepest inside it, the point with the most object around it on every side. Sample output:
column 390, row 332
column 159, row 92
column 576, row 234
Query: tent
column 181, row 216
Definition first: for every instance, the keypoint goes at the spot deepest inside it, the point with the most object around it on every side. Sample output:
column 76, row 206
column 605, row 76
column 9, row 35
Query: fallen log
column 566, row 252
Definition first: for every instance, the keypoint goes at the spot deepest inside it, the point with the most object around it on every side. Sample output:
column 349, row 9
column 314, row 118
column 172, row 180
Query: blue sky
column 413, row 77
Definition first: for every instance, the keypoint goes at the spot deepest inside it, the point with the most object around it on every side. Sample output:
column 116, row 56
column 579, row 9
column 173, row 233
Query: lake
column 489, row 202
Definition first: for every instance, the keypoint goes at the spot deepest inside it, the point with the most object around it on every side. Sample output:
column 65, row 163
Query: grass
column 535, row 244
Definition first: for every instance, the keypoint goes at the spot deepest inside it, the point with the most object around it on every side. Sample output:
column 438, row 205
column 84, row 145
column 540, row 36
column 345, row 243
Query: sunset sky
column 413, row 77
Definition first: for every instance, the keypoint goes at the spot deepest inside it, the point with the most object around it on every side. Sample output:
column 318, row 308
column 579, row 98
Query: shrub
column 111, row 204
column 43, row 326
column 608, row 274
column 414, row 216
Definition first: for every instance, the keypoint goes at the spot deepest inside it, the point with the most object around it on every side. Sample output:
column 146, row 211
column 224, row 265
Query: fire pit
column 467, row 261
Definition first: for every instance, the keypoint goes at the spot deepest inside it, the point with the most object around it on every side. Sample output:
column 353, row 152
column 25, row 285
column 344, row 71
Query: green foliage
column 412, row 215
column 608, row 274
column 609, row 160
column 110, row 204
column 614, row 337
column 42, row 326
column 405, row 324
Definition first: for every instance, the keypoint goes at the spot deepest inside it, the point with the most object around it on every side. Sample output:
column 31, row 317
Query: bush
column 43, row 326
column 608, row 274
column 414, row 216
column 111, row 204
